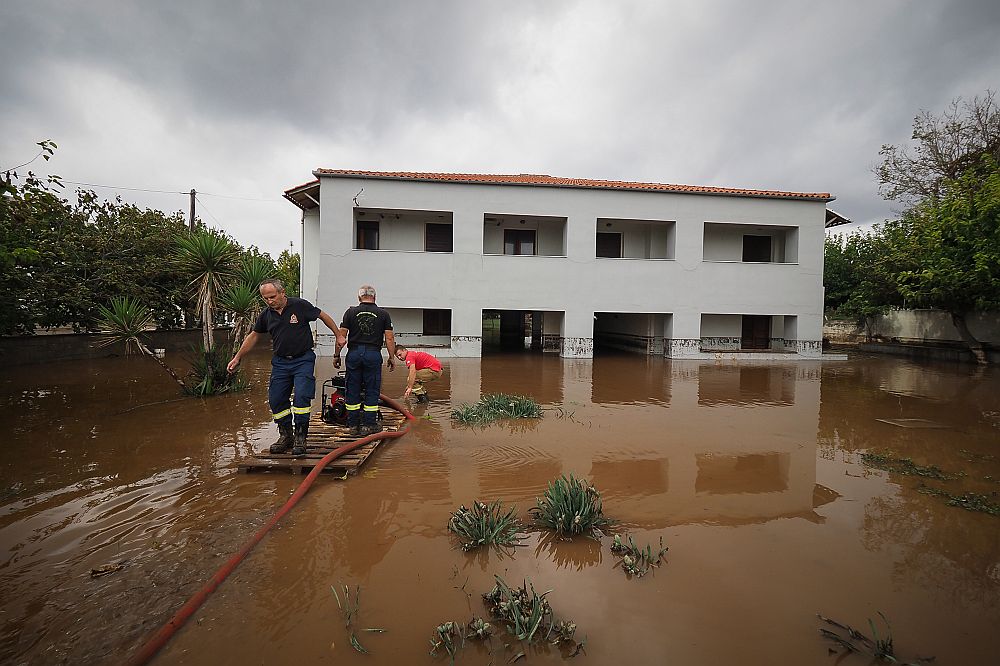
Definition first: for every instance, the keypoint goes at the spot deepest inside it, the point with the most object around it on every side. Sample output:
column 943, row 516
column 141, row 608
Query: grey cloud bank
column 245, row 99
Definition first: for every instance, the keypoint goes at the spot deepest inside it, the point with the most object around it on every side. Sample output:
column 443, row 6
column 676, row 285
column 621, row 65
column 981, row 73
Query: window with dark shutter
column 437, row 238
column 367, row 235
column 756, row 248
column 437, row 322
column 609, row 245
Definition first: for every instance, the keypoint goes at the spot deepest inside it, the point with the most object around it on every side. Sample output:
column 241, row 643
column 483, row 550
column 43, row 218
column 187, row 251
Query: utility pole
column 191, row 219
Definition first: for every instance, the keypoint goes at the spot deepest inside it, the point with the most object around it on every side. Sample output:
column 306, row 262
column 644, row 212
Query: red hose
column 160, row 638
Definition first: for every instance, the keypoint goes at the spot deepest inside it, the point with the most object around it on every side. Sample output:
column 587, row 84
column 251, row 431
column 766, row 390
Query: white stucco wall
column 309, row 268
column 577, row 284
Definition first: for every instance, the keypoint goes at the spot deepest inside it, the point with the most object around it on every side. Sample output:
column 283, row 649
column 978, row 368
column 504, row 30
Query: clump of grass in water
column 637, row 561
column 905, row 466
column 570, row 506
column 879, row 647
column 486, row 525
column 350, row 610
column 521, row 608
column 968, row 501
column 494, row 406
column 526, row 614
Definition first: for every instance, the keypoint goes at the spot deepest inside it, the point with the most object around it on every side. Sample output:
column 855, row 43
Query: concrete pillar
column 685, row 335
column 578, row 334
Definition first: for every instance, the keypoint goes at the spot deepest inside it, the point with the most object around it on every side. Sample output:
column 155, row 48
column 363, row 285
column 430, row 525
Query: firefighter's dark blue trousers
column 364, row 371
column 286, row 374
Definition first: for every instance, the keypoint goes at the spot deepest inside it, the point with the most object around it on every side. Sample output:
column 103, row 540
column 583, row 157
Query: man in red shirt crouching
column 423, row 367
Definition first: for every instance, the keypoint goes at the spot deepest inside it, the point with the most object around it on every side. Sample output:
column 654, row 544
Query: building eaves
column 305, row 196
column 541, row 180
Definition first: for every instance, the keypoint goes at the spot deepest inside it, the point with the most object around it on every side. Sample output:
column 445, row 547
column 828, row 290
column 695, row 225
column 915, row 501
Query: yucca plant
column 255, row 268
column 125, row 320
column 486, row 525
column 243, row 302
column 494, row 406
column 637, row 561
column 570, row 506
column 210, row 260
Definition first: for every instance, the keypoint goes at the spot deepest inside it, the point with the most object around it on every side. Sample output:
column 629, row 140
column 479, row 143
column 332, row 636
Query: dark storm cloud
column 346, row 67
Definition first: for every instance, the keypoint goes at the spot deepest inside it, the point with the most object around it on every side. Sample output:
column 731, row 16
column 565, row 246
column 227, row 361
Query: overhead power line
column 143, row 189
column 118, row 187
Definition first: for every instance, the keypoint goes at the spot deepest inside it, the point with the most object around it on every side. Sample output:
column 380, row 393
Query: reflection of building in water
column 536, row 375
column 709, row 443
column 742, row 384
column 751, row 457
column 749, row 473
column 624, row 380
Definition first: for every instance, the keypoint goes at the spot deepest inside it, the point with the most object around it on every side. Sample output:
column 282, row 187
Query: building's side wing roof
column 299, row 195
column 835, row 219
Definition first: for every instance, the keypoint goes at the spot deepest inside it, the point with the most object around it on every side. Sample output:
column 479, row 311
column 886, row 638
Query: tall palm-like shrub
column 125, row 320
column 210, row 260
column 242, row 299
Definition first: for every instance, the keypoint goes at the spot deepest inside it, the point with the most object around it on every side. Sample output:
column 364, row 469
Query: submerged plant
column 126, row 320
column 570, row 506
column 968, row 501
column 637, row 561
column 448, row 636
column 905, row 466
column 209, row 375
column 529, row 617
column 521, row 608
column 880, row 647
column 350, row 609
column 479, row 629
column 485, row 525
column 495, row 406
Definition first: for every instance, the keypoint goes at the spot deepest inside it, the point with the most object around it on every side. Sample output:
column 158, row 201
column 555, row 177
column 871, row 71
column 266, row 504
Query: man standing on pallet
column 287, row 319
column 366, row 325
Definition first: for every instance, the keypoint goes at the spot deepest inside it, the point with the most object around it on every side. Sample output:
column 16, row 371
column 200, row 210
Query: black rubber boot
column 372, row 429
column 300, row 441
column 284, row 438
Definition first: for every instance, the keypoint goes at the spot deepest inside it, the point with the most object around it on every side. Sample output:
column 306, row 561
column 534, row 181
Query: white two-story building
column 468, row 263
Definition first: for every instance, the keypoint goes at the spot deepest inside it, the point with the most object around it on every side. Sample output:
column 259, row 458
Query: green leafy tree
column 288, row 270
column 954, row 242
column 859, row 274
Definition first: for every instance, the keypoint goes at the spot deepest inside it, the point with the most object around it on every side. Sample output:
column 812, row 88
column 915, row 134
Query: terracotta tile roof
column 553, row 181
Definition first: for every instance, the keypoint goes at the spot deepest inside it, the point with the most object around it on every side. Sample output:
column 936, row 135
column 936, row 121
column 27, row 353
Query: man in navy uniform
column 366, row 325
column 287, row 319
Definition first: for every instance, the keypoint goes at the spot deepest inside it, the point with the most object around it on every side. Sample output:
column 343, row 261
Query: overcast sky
column 246, row 99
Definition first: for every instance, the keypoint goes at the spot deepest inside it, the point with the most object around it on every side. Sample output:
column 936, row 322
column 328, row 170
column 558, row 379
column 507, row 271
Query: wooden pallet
column 323, row 438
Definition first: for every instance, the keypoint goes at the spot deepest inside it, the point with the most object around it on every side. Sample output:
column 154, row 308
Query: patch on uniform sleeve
column 293, row 319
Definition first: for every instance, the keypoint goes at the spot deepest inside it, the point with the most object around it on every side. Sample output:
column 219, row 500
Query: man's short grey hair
column 366, row 291
column 278, row 284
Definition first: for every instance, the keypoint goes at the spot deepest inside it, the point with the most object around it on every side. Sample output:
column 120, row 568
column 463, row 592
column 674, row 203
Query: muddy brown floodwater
column 751, row 474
